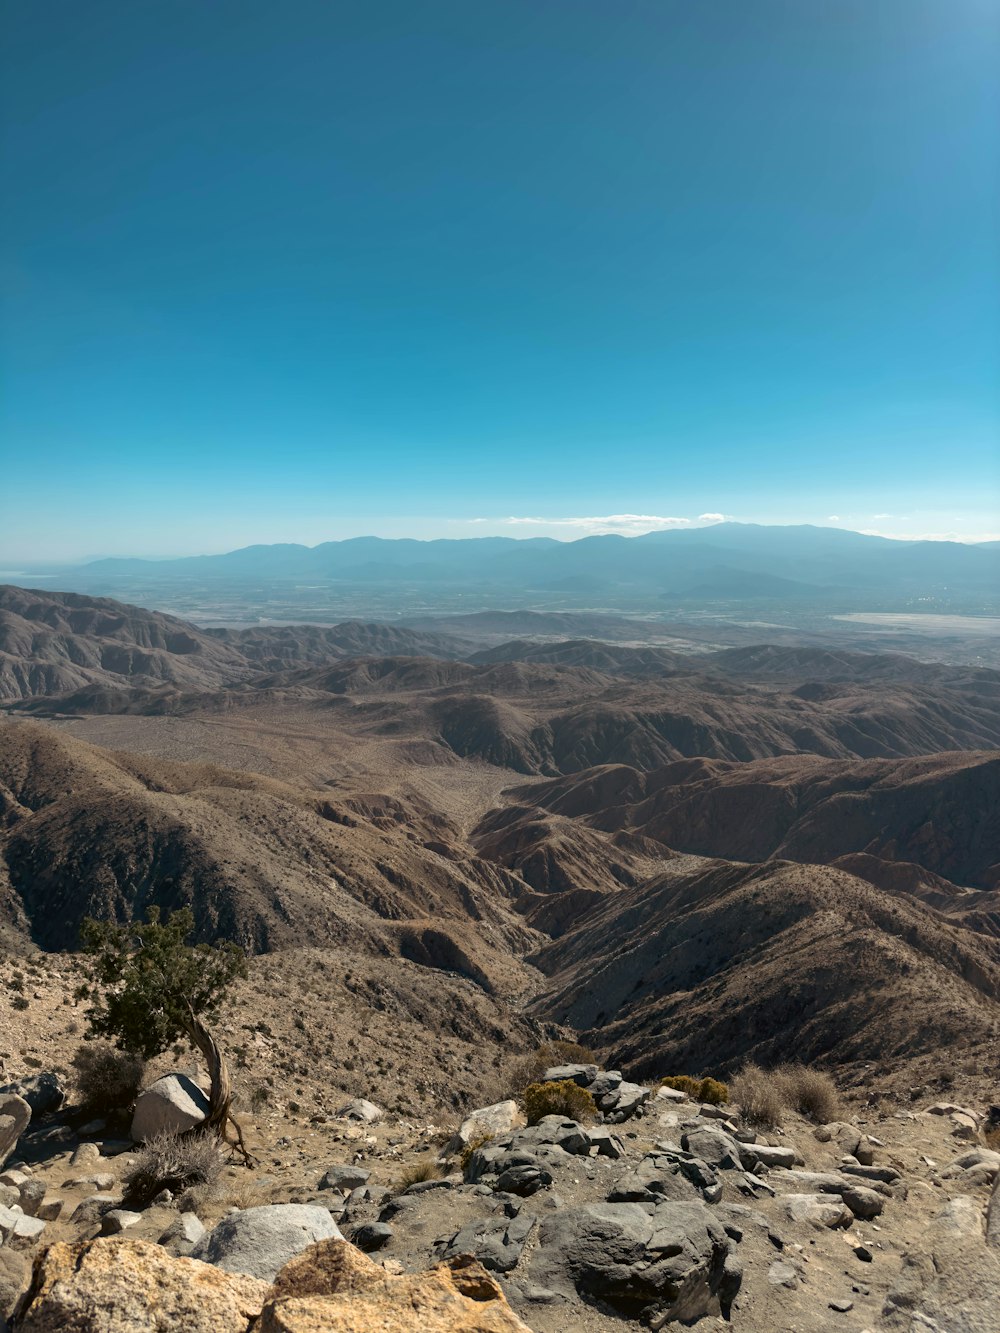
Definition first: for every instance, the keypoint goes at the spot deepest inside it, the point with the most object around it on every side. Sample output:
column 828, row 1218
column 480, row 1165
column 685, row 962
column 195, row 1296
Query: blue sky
column 309, row 270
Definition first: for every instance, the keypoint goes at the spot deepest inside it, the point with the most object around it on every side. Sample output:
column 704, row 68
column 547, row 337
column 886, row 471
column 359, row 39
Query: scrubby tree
column 148, row 988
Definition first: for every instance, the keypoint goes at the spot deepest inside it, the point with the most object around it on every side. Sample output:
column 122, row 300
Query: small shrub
column 558, row 1098
column 808, row 1091
column 107, row 1079
column 531, row 1068
column 757, row 1093
column 174, row 1162
column 713, row 1092
column 477, row 1141
column 425, row 1168
column 20, row 1002
column 991, row 1137
column 682, row 1083
column 708, row 1090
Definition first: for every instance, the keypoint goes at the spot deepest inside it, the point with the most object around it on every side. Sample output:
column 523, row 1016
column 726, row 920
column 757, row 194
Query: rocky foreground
column 667, row 1212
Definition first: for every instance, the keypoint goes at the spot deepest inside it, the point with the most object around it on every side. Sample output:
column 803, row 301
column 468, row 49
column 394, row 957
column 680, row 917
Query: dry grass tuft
column 425, row 1168
column 174, row 1162
column 809, row 1091
column 765, row 1094
column 757, row 1093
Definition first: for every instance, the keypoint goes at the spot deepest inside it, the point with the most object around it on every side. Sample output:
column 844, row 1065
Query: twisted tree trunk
column 220, row 1098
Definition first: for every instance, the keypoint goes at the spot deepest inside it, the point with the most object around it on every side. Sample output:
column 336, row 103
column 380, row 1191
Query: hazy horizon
column 502, row 528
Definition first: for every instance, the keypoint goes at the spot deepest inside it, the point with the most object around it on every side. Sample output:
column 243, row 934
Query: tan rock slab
column 334, row 1288
column 136, row 1287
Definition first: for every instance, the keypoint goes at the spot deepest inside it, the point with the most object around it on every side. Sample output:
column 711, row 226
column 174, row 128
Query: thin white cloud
column 966, row 538
column 624, row 524
column 881, row 515
column 714, row 518
column 833, row 518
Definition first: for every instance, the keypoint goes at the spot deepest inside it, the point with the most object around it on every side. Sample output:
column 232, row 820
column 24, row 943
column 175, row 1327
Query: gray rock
column 628, row 1098
column 171, row 1105
column 92, row 1209
column 15, row 1278
column 15, row 1116
column 371, row 1236
column 605, row 1144
column 820, row 1210
column 43, row 1092
column 497, row 1242
column 31, row 1195
column 362, row 1110
column 344, row 1178
column 524, row 1179
column 863, row 1203
column 781, row 1274
column 183, row 1234
column 582, row 1075
column 87, row 1154
column 949, row 1277
column 554, row 1130
column 17, row 1228
column 666, row 1262
column 117, row 1220
column 486, row 1123
column 608, row 1081
column 770, row 1156
column 884, row 1173
column 668, row 1175
column 715, row 1147
column 260, row 1241
column 993, row 1217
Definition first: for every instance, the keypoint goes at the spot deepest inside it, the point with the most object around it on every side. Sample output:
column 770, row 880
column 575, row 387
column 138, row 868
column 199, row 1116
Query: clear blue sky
column 302, row 270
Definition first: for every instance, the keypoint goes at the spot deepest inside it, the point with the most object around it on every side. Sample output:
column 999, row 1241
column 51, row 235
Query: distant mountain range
column 729, row 561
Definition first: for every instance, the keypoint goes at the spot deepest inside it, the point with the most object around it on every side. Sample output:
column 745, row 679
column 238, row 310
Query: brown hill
column 711, row 962
column 941, row 812
column 91, row 832
column 54, row 643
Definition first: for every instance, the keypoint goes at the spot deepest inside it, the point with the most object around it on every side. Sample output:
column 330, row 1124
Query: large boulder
column 15, row 1116
column 497, row 1242
column 668, row 1174
column 43, row 1092
column 949, row 1277
column 486, row 1123
column 361, row 1109
column 334, row 1288
column 171, row 1105
column 260, row 1241
column 110, row 1286
column 671, row 1260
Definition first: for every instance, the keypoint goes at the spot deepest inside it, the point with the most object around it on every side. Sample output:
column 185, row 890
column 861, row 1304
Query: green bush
column 558, row 1098
column 531, row 1068
column 107, row 1079
column 708, row 1090
column 477, row 1141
